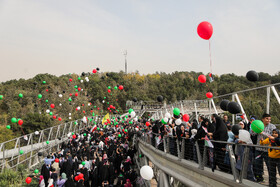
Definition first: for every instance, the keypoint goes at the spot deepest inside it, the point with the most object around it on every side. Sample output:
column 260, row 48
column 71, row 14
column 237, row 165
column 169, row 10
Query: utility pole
column 125, row 54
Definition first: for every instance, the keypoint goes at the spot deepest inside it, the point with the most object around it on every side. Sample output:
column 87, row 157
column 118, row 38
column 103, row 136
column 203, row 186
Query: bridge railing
column 239, row 160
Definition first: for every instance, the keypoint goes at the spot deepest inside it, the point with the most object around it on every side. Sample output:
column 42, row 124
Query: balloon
column 20, row 122
column 202, row 78
column 119, row 135
column 36, row 171
column 121, row 87
column 47, row 101
column 178, row 121
column 8, row 127
column 167, row 115
column 44, row 82
column 115, row 87
column 134, row 99
column 132, row 114
column 47, row 142
column 76, row 178
column 209, row 95
column 147, row 124
column 36, row 132
column 233, row 107
column 159, row 98
column 59, row 119
column 28, row 180
column 70, row 80
column 224, row 104
column 83, row 163
column 130, row 110
column 56, row 160
column 76, row 94
column 94, row 71
column 186, row 117
column 109, row 91
column 74, row 136
column 51, row 113
column 20, row 95
column 47, row 111
column 235, row 129
column 21, row 152
column 52, row 105
column 60, row 95
column 1, row 97
column 79, row 89
column 40, row 96
column 14, row 120
column 176, row 111
column 47, row 90
column 81, row 176
column 146, row 172
column 164, row 120
column 244, row 136
column 54, row 117
column 205, row 30
column 257, row 126
column 70, row 99
column 252, row 76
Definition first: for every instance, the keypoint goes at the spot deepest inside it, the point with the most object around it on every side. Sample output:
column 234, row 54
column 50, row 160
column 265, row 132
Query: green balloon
column 85, row 134
column 70, row 99
column 36, row 171
column 83, row 163
column 163, row 122
column 8, row 127
column 125, row 130
column 257, row 126
column 72, row 133
column 130, row 110
column 47, row 101
column 115, row 87
column 14, row 120
column 21, row 152
column 130, row 122
column 75, row 123
column 1, row 97
column 79, row 78
column 104, row 97
column 75, row 86
column 44, row 82
column 93, row 114
column 20, row 95
column 94, row 106
column 176, row 111
column 108, row 103
column 126, row 116
column 98, row 128
column 77, row 90
column 40, row 96
column 140, row 156
column 109, row 87
column 119, row 135
column 51, row 113
column 47, row 142
column 90, row 119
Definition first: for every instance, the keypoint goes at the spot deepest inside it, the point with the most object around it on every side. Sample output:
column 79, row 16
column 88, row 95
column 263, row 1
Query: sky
column 70, row 36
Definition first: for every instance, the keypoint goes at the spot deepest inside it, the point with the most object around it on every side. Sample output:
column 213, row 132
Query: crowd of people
column 220, row 129
column 98, row 156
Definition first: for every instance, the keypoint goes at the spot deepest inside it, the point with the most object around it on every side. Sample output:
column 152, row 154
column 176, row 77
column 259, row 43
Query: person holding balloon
column 274, row 156
column 263, row 129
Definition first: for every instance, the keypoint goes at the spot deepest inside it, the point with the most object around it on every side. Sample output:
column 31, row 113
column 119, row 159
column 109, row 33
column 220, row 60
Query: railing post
column 31, row 153
column 267, row 99
column 183, row 148
column 199, row 156
column 168, row 145
column 18, row 154
column 275, row 94
column 178, row 147
column 164, row 144
column 233, row 163
column 244, row 168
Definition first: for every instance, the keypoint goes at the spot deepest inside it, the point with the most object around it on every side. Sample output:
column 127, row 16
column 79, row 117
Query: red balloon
column 20, row 122
column 83, row 104
column 205, row 30
column 47, row 90
column 79, row 89
column 98, row 108
column 77, row 178
column 70, row 80
column 186, row 117
column 74, row 136
column 120, row 87
column 209, row 95
column 81, row 176
column 108, row 108
column 84, row 111
column 52, row 105
column 94, row 71
column 56, row 160
column 76, row 94
column 117, row 126
column 54, row 117
column 111, row 106
column 28, row 180
column 202, row 78
column 109, row 91
column 59, row 119
column 147, row 124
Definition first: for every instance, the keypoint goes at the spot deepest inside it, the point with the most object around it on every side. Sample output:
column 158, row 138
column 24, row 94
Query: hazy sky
column 67, row 36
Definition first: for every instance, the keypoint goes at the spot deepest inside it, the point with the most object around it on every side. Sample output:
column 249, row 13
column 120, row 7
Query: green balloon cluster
column 257, row 126
column 176, row 111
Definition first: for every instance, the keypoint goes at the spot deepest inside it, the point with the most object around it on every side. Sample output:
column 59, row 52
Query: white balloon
column 36, row 132
column 178, row 121
column 70, row 118
column 87, row 80
column 84, row 119
column 82, row 81
column 167, row 115
column 69, row 134
column 60, row 104
column 78, row 108
column 132, row 114
column 60, row 95
column 136, row 129
column 244, row 136
column 165, row 120
column 146, row 172
column 82, row 90
column 70, row 114
column 103, row 101
column 89, row 104
column 47, row 111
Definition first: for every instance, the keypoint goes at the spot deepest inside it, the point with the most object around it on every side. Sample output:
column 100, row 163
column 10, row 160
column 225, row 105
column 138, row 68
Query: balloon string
column 210, row 57
column 22, row 130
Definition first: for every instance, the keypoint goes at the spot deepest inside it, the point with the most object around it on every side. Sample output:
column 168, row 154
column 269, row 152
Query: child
column 274, row 156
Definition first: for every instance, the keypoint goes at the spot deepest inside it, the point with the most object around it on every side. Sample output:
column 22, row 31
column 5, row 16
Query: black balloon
column 134, row 99
column 63, row 91
column 35, row 83
column 40, row 154
column 35, row 105
column 108, row 74
column 102, row 77
column 175, row 116
column 233, row 107
column 49, row 87
column 235, row 129
column 97, row 69
column 224, row 104
column 252, row 76
column 159, row 98
column 83, row 74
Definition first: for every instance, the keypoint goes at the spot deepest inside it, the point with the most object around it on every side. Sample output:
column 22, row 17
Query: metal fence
column 242, row 161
